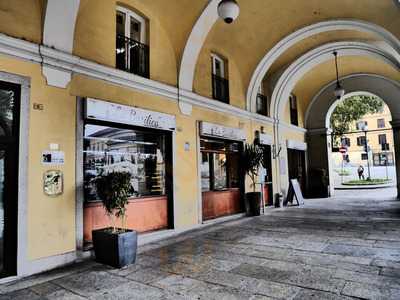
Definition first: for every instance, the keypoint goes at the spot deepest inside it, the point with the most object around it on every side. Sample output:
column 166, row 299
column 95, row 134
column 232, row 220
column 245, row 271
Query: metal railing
column 262, row 105
column 220, row 88
column 132, row 56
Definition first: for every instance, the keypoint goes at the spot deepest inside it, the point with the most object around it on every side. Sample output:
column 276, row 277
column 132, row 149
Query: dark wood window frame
column 294, row 114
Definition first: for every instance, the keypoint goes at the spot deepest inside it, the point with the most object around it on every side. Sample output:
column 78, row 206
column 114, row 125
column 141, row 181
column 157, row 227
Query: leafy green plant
column 114, row 190
column 343, row 172
column 252, row 158
column 350, row 110
column 375, row 181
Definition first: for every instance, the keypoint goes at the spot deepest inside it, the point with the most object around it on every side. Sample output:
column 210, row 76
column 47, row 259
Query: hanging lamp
column 339, row 90
column 228, row 10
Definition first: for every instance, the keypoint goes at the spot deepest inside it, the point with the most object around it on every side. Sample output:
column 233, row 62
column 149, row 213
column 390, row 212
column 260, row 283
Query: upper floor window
column 345, row 141
column 382, row 139
column 361, row 141
column 381, row 123
column 220, row 83
column 132, row 53
column 262, row 102
column 294, row 118
column 361, row 125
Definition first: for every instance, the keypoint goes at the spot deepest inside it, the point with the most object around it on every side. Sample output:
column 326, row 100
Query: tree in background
column 353, row 109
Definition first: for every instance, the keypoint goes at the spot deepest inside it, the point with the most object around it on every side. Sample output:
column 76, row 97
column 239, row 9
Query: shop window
column 219, row 165
column 345, row 141
column 382, row 139
column 132, row 52
column 294, row 117
column 364, row 156
column 381, row 123
column 361, row 141
column 140, row 153
column 220, row 82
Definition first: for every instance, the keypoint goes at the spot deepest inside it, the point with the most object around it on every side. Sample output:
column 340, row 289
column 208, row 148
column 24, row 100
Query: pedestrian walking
column 360, row 171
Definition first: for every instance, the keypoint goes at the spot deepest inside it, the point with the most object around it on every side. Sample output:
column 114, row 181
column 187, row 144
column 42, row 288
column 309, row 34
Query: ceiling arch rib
column 348, row 95
column 194, row 44
column 322, row 104
column 192, row 50
column 305, row 63
column 390, row 41
column 58, row 33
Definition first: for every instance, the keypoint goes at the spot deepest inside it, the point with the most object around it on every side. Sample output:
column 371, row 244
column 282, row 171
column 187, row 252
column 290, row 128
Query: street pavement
column 345, row 247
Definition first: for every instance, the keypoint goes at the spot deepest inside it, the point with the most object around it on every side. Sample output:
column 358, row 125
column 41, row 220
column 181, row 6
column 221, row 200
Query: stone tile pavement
column 347, row 247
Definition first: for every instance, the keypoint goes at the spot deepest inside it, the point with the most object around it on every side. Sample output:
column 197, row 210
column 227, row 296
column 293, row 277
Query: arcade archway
column 321, row 107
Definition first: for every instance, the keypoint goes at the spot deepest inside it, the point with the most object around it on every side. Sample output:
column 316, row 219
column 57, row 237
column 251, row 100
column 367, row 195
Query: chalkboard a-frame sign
column 294, row 193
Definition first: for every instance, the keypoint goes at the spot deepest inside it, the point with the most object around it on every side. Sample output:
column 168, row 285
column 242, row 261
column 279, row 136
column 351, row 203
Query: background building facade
column 379, row 137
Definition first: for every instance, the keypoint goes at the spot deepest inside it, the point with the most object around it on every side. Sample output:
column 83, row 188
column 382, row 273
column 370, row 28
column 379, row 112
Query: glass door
column 9, row 135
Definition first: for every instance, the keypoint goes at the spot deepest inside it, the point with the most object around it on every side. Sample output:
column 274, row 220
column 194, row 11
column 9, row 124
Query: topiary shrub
column 114, row 190
column 252, row 158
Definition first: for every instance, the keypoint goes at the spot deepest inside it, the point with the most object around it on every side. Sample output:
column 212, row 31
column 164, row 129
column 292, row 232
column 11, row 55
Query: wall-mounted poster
column 53, row 183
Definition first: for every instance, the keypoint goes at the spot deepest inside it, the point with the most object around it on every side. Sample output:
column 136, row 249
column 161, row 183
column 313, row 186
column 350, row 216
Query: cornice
column 64, row 62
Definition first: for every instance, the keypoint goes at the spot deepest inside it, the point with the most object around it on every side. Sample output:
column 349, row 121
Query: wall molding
column 291, row 127
column 71, row 64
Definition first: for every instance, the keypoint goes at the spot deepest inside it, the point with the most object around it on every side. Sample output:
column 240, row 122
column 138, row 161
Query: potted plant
column 115, row 246
column 251, row 160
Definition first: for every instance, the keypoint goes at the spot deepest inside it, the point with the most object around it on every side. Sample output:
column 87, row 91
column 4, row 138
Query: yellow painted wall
column 202, row 79
column 300, row 112
column 95, row 36
column 51, row 221
column 22, row 19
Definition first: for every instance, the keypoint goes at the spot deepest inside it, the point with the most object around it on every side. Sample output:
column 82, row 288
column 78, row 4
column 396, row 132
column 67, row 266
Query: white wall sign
column 297, row 145
column 53, row 157
column 282, row 166
column 264, row 139
column 123, row 114
column 215, row 130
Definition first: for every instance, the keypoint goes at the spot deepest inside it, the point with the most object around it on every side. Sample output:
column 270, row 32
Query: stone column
column 396, row 141
column 319, row 151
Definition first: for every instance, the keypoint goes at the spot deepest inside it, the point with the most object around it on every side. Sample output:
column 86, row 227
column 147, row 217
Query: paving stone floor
column 347, row 247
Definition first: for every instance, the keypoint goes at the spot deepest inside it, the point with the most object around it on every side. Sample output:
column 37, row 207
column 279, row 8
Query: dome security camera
column 228, row 10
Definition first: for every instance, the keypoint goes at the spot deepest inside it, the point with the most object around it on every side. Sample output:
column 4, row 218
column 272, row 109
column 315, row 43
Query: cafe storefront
column 222, row 185
column 118, row 138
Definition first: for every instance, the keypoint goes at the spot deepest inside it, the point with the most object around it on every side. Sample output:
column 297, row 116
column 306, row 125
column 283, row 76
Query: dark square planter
column 254, row 200
column 115, row 249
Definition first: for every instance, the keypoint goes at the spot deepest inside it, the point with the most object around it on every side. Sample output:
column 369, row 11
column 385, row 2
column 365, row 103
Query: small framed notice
column 53, row 157
column 53, row 183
